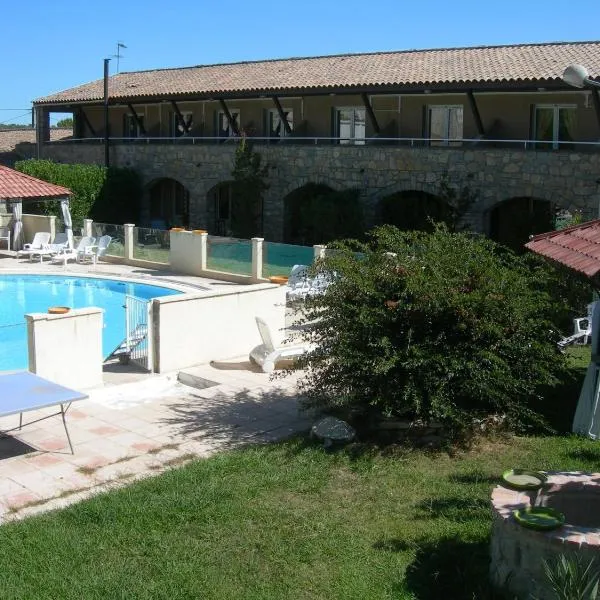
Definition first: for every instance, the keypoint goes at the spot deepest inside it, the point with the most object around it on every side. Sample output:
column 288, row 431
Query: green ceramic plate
column 521, row 479
column 540, row 518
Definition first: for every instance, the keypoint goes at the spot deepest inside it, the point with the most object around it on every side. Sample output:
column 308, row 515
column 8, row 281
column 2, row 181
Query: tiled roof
column 451, row 66
column 14, row 184
column 577, row 247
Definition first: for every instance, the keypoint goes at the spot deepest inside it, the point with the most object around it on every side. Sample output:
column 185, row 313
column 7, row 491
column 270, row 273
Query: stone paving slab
column 123, row 433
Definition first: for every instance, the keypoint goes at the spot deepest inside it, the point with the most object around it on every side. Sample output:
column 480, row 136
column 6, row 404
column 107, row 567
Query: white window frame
column 555, row 122
column 230, row 132
column 352, row 139
column 445, row 141
column 175, row 124
column 138, row 131
column 274, row 112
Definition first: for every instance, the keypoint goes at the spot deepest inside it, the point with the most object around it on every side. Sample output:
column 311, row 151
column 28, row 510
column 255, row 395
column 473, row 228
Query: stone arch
column 412, row 209
column 168, row 203
column 296, row 221
column 219, row 207
column 513, row 220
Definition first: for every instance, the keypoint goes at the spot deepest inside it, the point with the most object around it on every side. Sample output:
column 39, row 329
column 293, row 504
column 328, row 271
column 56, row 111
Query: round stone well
column 517, row 553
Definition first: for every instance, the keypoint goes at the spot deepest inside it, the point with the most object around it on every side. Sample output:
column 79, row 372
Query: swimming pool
column 20, row 294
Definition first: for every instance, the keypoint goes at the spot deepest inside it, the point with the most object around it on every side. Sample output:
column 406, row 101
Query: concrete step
column 195, row 381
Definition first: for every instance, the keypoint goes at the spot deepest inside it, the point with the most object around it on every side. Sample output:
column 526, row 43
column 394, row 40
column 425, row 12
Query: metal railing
column 419, row 142
column 138, row 342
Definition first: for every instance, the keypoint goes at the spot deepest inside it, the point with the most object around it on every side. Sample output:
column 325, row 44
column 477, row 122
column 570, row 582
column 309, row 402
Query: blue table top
column 24, row 391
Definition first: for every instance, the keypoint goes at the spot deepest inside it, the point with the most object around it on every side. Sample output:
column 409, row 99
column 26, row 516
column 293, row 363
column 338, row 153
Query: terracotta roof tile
column 14, row 184
column 577, row 247
column 477, row 65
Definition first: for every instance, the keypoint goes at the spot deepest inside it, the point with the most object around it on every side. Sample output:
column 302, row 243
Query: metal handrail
column 412, row 141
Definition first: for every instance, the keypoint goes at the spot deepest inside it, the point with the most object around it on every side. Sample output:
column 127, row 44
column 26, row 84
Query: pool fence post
column 87, row 227
column 257, row 258
column 203, row 251
column 128, row 230
column 319, row 251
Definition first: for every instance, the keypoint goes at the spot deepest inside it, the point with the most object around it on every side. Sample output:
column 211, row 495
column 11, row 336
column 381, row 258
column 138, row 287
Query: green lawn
column 283, row 521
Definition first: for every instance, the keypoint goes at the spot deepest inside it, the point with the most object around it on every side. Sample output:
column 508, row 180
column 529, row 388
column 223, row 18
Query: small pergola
column 16, row 187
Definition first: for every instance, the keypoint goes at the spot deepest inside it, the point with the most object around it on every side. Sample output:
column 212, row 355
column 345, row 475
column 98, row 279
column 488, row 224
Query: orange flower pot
column 199, row 231
column 58, row 310
column 278, row 279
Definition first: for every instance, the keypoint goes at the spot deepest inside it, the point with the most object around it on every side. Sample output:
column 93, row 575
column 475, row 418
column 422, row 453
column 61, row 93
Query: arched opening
column 514, row 220
column 169, row 204
column 317, row 214
column 411, row 210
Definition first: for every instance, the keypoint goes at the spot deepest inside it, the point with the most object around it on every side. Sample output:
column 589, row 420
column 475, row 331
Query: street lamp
column 578, row 76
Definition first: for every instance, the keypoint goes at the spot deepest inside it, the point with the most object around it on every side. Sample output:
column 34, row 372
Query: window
column 275, row 127
column 223, row 128
column 445, row 125
column 177, row 128
column 554, row 123
column 349, row 125
column 131, row 128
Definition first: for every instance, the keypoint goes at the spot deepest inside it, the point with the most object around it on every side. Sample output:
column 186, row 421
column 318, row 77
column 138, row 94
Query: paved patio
column 138, row 425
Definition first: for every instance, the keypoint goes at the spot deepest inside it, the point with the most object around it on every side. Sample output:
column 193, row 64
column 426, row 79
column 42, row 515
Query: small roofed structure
column 15, row 187
column 577, row 247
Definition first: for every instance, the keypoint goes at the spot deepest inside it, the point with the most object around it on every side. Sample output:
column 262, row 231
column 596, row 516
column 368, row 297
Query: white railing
column 316, row 140
column 138, row 342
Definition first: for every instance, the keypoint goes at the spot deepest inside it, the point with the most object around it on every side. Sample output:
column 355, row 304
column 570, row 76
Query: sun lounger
column 93, row 253
column 72, row 253
column 60, row 244
column 40, row 240
column 266, row 355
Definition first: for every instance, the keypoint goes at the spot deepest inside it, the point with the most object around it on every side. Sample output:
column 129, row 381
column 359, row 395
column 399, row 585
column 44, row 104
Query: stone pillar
column 42, row 128
column 257, row 257
column 128, row 230
column 87, row 227
column 319, row 251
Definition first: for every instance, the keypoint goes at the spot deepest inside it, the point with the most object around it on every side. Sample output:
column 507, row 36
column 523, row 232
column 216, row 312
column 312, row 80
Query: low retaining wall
column 191, row 329
column 67, row 349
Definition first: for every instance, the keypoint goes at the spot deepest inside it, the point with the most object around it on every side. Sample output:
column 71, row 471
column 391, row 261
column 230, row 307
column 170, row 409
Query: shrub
column 112, row 195
column 453, row 328
column 573, row 579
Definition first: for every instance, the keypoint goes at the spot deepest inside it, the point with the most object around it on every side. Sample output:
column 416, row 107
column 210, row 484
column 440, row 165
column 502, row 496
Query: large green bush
column 111, row 195
column 451, row 328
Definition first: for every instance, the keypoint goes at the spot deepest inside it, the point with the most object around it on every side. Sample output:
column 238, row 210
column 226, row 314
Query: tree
column 248, row 188
column 450, row 327
column 66, row 123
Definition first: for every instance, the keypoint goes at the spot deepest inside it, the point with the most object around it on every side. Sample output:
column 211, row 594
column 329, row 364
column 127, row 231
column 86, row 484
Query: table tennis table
column 23, row 391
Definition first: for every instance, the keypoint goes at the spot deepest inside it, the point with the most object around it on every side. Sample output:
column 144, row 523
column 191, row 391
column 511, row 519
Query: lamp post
column 106, row 120
column 579, row 77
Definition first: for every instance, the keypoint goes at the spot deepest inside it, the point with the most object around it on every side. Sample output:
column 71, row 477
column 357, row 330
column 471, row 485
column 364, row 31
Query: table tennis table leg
column 63, row 412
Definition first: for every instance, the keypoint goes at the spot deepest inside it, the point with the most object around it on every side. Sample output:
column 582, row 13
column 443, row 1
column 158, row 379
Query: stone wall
column 566, row 178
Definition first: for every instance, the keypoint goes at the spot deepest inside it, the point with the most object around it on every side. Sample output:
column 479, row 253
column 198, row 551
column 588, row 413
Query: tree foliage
column 111, row 195
column 249, row 185
column 450, row 327
column 66, row 122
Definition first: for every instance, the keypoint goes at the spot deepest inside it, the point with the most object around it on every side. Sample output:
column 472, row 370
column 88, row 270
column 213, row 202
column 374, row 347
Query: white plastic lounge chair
column 5, row 235
column 71, row 254
column 298, row 283
column 60, row 244
column 94, row 252
column 582, row 329
column 40, row 239
column 267, row 355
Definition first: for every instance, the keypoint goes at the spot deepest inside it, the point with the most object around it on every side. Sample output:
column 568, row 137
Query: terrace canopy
column 16, row 187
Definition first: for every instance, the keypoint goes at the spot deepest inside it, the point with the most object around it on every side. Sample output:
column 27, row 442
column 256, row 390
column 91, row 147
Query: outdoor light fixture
column 579, row 77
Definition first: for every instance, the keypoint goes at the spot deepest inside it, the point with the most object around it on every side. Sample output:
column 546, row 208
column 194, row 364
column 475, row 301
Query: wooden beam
column 596, row 102
column 371, row 113
column 137, row 119
column 230, row 118
column 282, row 115
column 476, row 115
column 83, row 116
column 180, row 119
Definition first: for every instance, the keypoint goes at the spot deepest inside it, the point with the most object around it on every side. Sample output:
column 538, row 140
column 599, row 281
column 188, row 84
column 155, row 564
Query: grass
column 283, row 521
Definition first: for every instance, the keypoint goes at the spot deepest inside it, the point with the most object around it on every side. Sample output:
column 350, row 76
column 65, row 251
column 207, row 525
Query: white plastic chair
column 94, row 252
column 266, row 355
column 5, row 235
column 60, row 243
column 71, row 254
column 298, row 283
column 582, row 327
column 40, row 240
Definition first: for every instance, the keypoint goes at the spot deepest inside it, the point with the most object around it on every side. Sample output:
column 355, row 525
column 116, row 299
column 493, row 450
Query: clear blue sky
column 48, row 46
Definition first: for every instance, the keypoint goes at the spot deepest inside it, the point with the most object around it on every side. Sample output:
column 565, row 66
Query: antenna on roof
column 118, row 55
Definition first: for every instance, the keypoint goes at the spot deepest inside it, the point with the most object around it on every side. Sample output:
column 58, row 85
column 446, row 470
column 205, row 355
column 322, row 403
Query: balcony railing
column 415, row 142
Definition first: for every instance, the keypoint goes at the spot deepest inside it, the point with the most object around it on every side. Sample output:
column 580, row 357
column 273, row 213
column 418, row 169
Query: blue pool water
column 20, row 294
